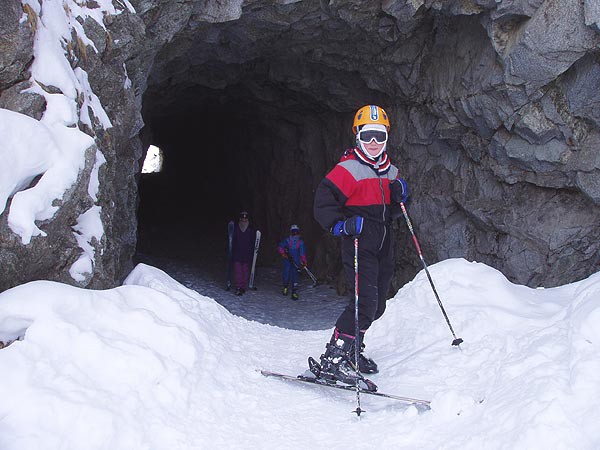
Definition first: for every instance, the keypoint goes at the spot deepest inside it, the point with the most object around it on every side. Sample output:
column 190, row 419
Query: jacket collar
column 381, row 165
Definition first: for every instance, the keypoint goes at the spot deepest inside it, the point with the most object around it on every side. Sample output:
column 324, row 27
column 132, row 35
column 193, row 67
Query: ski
column 230, row 226
column 322, row 382
column 311, row 275
column 256, row 245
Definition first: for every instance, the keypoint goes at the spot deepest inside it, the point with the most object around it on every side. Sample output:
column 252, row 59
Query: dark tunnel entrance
column 251, row 116
column 226, row 151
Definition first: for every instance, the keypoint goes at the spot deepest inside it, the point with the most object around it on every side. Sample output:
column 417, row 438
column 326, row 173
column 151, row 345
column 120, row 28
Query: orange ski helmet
column 370, row 114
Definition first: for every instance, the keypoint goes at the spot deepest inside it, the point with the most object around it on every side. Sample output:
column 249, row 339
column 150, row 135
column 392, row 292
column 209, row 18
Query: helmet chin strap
column 366, row 153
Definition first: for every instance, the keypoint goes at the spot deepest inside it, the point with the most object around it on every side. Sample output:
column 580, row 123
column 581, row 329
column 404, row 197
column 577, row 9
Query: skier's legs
column 294, row 277
column 285, row 273
column 238, row 275
column 368, row 287
column 245, row 274
column 386, row 270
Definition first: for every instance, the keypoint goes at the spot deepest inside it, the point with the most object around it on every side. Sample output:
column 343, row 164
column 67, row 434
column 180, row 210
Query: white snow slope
column 154, row 365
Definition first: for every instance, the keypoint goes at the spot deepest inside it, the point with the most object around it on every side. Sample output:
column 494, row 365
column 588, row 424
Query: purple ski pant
column 241, row 271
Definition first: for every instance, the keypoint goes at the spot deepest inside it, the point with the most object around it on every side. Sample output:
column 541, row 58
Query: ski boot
column 365, row 364
column 337, row 363
column 295, row 295
column 284, row 291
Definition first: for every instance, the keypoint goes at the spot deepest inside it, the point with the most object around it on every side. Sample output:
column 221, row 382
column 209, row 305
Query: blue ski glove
column 349, row 227
column 399, row 191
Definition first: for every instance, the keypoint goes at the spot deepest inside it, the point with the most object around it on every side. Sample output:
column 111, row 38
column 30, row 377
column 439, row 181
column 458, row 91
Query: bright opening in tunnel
column 153, row 161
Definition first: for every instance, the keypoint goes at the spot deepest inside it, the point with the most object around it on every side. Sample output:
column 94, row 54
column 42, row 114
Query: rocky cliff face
column 494, row 108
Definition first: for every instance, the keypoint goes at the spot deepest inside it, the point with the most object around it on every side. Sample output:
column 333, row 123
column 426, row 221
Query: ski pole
column 456, row 341
column 311, row 275
column 293, row 263
column 299, row 269
column 358, row 410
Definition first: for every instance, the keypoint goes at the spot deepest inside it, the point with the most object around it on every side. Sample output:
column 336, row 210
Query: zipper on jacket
column 383, row 215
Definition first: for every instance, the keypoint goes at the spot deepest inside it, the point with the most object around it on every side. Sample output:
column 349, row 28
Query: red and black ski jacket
column 356, row 186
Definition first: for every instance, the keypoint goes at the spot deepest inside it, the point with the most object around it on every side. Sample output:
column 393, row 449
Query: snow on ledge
column 28, row 149
column 52, row 148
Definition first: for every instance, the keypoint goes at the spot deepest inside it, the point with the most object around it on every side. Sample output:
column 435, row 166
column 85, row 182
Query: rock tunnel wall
column 494, row 108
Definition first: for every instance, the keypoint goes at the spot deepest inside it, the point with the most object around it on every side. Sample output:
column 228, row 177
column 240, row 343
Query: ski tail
column 299, row 269
column 230, row 227
column 252, row 272
column 311, row 275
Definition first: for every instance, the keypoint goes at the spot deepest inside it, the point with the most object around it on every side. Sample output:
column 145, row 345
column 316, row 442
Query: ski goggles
column 367, row 136
column 243, row 216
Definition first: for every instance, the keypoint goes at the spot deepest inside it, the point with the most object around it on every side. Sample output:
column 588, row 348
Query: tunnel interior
column 228, row 150
column 247, row 119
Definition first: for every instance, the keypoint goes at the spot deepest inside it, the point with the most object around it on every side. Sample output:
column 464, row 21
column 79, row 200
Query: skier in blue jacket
column 293, row 252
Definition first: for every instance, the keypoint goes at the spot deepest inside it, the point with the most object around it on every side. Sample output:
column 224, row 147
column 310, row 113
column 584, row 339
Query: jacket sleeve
column 331, row 196
column 302, row 253
column 395, row 209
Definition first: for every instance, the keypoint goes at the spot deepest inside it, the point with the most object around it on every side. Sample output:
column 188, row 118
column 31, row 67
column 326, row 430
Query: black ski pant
column 375, row 270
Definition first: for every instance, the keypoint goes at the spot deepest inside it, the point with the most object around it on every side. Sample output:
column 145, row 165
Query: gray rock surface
column 16, row 45
column 494, row 106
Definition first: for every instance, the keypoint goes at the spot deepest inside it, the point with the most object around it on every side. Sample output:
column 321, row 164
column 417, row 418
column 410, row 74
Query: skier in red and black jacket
column 361, row 196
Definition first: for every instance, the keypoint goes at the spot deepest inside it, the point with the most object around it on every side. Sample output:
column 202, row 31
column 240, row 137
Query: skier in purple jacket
column 244, row 236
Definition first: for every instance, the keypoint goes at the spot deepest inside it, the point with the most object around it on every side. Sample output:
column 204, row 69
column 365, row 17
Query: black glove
column 349, row 227
column 399, row 191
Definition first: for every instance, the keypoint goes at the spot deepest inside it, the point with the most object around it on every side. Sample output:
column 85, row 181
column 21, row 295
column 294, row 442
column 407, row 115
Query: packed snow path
column 318, row 307
column 200, row 263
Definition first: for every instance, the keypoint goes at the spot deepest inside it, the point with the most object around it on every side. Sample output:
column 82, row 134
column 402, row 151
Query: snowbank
column 154, row 365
